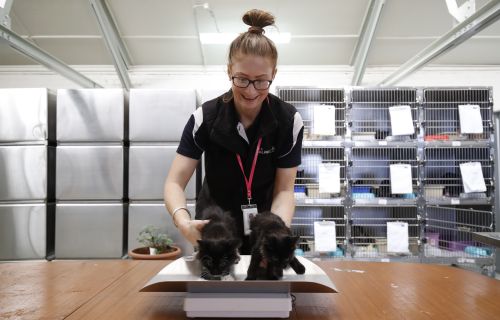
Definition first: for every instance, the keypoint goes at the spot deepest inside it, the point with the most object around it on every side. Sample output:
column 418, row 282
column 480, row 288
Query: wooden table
column 100, row 289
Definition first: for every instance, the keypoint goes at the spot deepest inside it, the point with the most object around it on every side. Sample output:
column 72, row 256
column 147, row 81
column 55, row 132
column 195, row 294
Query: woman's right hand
column 191, row 229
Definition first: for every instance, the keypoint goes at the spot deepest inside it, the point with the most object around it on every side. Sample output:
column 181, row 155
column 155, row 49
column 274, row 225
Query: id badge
column 249, row 212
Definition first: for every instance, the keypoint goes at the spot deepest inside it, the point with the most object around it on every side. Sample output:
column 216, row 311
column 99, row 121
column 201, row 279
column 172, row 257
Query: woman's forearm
column 175, row 198
column 284, row 206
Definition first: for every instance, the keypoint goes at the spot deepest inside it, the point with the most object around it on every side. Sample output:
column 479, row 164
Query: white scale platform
column 234, row 297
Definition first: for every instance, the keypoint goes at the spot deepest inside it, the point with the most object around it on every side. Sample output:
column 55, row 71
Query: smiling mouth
column 251, row 99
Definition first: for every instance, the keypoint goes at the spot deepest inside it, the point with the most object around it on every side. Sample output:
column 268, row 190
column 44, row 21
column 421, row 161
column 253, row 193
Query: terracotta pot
column 143, row 254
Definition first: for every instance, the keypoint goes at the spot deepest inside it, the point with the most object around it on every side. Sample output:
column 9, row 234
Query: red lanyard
column 248, row 182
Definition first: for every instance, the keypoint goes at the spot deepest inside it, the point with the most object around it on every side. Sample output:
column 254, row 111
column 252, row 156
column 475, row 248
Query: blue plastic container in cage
column 364, row 195
column 408, row 196
column 299, row 192
column 361, row 189
column 299, row 189
column 337, row 253
column 299, row 252
column 478, row 251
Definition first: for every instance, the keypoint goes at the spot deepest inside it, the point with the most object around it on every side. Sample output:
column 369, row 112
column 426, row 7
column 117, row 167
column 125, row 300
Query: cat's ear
column 202, row 243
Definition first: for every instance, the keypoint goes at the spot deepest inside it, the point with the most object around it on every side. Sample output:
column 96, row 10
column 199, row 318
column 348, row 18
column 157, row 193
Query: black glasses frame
column 252, row 82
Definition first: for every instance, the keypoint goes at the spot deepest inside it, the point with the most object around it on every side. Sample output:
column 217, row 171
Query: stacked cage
column 306, row 100
column 374, row 204
column 370, row 174
column 319, row 148
column 438, row 216
column 375, row 148
column 369, row 231
column 451, row 213
column 369, row 116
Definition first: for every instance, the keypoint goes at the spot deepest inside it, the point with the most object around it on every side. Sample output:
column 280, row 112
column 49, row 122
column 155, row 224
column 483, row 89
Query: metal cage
column 448, row 231
column 441, row 115
column 442, row 177
column 307, row 180
column 369, row 229
column 370, row 171
column 369, row 117
column 303, row 224
column 304, row 100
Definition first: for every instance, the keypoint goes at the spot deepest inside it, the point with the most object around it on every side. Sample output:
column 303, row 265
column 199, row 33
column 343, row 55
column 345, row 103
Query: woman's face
column 253, row 68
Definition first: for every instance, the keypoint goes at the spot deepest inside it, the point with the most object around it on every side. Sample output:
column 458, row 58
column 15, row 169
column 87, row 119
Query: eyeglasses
column 257, row 84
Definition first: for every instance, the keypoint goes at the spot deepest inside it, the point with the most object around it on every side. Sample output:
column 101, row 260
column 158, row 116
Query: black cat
column 218, row 247
column 273, row 248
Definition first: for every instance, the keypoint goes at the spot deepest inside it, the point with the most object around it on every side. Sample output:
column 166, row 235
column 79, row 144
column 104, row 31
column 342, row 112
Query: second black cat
column 273, row 247
column 218, row 247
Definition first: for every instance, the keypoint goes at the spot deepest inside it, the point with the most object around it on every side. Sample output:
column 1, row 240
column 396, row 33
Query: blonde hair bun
column 258, row 20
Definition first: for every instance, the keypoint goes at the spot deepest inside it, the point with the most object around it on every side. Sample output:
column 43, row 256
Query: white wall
column 215, row 77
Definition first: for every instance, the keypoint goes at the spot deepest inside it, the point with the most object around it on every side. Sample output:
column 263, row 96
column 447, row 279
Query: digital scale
column 234, row 297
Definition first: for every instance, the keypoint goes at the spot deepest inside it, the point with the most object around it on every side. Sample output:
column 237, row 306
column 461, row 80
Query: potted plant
column 156, row 245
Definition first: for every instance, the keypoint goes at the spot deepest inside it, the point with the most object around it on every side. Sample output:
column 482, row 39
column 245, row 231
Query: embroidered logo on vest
column 262, row 151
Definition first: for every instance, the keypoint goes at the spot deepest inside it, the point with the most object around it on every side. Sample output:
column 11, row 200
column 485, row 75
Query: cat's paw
column 300, row 269
column 251, row 278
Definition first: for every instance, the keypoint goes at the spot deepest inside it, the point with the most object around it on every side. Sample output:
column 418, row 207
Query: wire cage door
column 370, row 113
column 369, row 230
column 307, row 183
column 370, row 172
column 448, row 231
column 303, row 226
column 442, row 116
column 307, row 101
column 443, row 177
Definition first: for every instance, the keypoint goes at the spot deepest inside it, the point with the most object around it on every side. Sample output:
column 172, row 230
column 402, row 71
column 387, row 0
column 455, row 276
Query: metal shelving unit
column 440, row 215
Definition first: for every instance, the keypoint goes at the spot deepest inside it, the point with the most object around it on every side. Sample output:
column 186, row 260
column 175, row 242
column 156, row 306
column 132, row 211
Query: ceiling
column 163, row 32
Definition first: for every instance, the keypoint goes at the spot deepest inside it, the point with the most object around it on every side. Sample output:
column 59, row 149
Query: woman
column 229, row 130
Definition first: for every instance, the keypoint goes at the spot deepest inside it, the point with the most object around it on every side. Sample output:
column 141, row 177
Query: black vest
column 224, row 183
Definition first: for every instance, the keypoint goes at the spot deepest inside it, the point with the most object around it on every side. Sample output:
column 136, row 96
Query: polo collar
column 227, row 120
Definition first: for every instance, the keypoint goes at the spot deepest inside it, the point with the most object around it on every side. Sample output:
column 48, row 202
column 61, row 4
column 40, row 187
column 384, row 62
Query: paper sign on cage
column 397, row 237
column 472, row 177
column 329, row 178
column 470, row 118
column 401, row 120
column 325, row 238
column 401, row 180
column 323, row 120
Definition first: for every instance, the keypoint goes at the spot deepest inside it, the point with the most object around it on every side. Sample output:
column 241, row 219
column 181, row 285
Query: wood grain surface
column 53, row 290
column 368, row 290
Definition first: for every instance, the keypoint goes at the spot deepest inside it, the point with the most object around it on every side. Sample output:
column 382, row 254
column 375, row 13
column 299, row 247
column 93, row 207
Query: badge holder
column 249, row 212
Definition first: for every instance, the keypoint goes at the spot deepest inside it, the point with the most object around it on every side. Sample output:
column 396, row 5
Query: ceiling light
column 226, row 38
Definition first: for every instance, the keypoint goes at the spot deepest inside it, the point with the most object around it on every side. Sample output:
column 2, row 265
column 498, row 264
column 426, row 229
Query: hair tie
column 258, row 30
